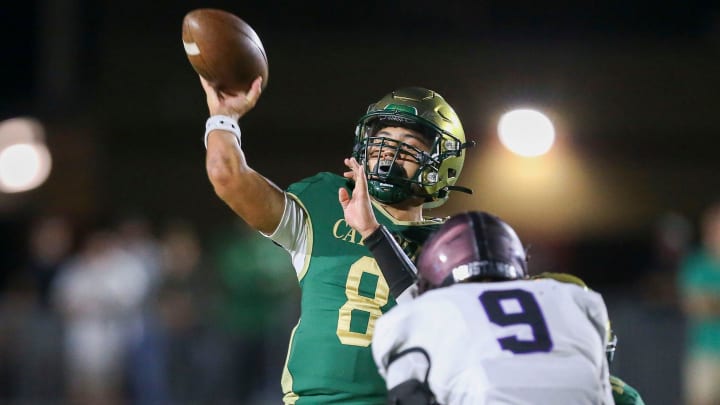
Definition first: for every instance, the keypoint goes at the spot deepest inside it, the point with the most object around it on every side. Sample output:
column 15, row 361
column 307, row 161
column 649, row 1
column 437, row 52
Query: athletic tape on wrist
column 222, row 122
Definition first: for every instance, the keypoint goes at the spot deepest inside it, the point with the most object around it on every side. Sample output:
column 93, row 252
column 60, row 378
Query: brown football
column 224, row 49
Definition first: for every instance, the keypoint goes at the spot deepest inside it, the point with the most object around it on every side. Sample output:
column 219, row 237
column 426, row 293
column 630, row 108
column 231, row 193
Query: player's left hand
column 357, row 208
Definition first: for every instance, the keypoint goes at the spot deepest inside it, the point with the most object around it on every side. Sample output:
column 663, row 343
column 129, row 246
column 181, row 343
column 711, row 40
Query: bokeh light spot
column 526, row 132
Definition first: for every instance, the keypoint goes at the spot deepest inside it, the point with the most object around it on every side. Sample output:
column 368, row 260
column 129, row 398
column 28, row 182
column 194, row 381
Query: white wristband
column 222, row 122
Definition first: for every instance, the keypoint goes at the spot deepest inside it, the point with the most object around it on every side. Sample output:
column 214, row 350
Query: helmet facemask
column 388, row 180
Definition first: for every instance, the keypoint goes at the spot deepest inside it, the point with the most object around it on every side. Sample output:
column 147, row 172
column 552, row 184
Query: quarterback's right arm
column 254, row 198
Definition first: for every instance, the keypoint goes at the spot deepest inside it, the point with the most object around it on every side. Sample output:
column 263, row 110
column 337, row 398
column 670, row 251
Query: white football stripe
column 191, row 48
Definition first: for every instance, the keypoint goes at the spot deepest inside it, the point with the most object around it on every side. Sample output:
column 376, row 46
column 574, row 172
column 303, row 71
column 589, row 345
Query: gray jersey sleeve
column 292, row 233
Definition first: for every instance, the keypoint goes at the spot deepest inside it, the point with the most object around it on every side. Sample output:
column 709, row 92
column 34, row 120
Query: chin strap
column 444, row 191
column 460, row 189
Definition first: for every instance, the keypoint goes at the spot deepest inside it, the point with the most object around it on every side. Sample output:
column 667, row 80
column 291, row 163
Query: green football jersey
column 624, row 394
column 329, row 360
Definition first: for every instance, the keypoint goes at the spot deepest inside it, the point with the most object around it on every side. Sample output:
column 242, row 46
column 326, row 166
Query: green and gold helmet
column 424, row 111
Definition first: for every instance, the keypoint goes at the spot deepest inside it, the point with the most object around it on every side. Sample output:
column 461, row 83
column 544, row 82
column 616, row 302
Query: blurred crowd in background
column 129, row 313
column 145, row 313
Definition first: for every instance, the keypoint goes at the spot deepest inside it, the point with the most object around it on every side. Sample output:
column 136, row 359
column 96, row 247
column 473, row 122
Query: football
column 224, row 50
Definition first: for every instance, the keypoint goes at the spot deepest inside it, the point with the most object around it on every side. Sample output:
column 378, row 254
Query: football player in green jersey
column 412, row 146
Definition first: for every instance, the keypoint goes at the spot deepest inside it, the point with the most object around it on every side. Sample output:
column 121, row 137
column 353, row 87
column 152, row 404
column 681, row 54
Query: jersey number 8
column 357, row 302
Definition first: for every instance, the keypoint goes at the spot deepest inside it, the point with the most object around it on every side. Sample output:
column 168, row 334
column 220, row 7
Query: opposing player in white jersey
column 491, row 336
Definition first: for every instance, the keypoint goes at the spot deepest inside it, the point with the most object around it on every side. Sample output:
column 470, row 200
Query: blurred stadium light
column 526, row 132
column 560, row 194
column 25, row 161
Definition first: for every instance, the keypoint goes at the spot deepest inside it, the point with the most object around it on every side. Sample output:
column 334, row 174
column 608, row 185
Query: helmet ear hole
column 452, row 173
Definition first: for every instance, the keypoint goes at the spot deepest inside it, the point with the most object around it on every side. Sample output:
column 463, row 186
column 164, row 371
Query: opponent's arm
column 253, row 197
column 414, row 389
column 403, row 355
column 397, row 268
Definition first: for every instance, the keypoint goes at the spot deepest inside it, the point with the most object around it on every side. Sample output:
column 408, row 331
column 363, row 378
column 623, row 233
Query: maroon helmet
column 471, row 246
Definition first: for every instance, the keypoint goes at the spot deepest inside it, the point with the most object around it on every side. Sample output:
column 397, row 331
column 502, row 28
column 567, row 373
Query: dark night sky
column 613, row 21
